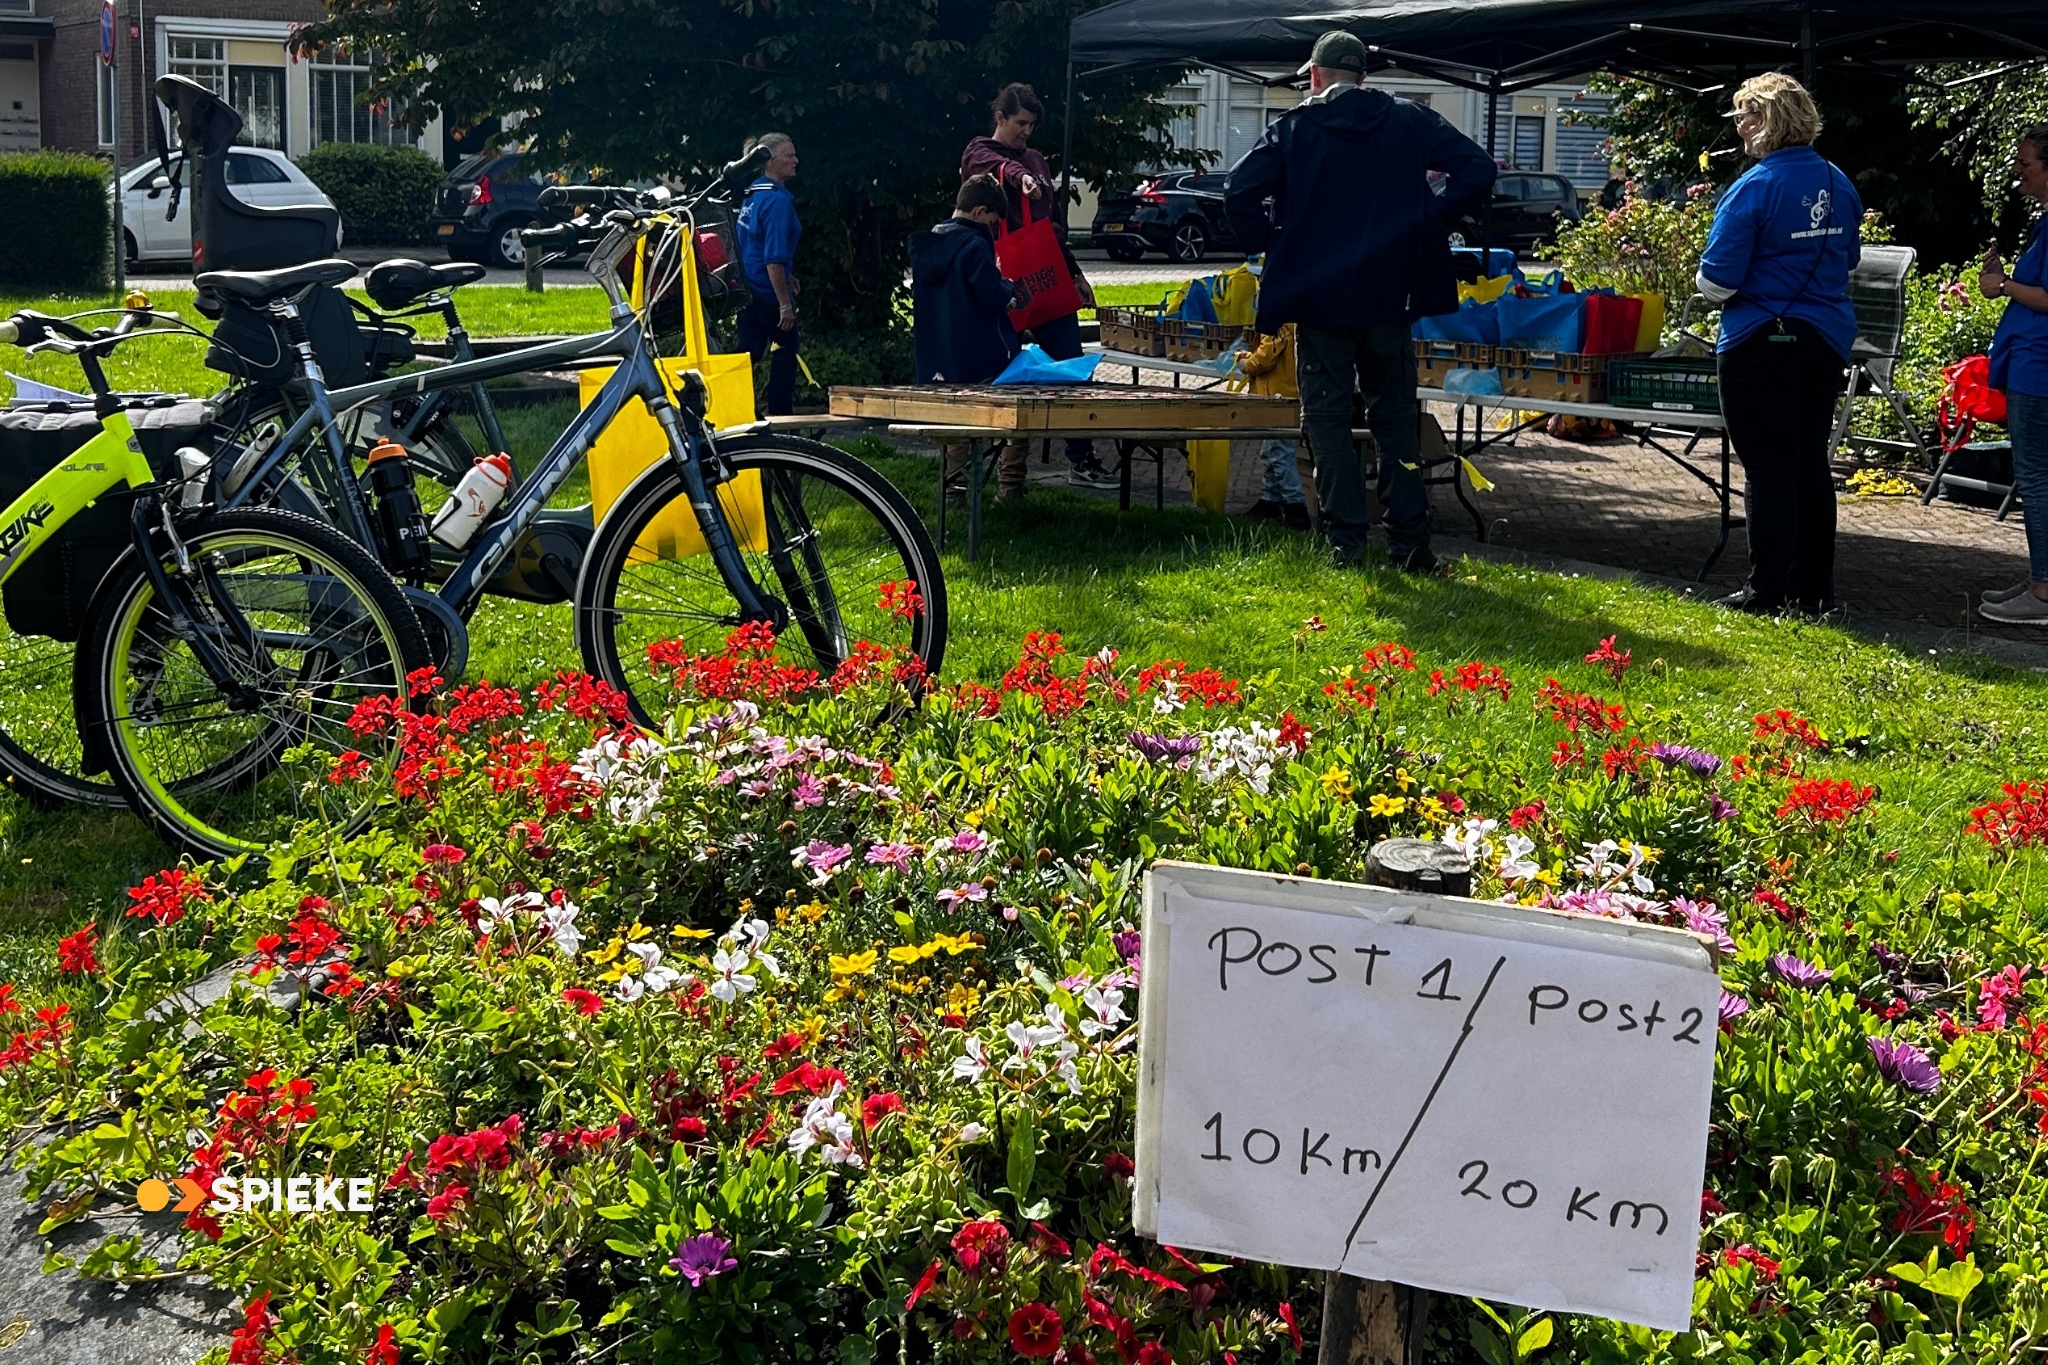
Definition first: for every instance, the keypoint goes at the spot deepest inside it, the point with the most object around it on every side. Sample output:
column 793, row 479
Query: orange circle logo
column 153, row 1195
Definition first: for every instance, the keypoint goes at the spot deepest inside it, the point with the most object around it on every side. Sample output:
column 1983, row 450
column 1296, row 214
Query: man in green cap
column 1357, row 247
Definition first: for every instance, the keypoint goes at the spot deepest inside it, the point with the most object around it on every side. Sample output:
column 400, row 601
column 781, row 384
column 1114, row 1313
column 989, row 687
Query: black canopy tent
column 1502, row 46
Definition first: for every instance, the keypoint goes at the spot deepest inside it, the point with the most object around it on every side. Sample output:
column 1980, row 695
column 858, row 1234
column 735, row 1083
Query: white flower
column 1470, row 838
column 1517, row 866
column 825, row 1128
column 631, row 988
column 653, row 975
column 629, row 773
column 492, row 913
column 732, row 981
column 1168, row 699
column 971, row 1065
column 1028, row 1040
column 1063, row 1064
column 972, row 1132
column 1108, row 1008
column 1251, row 754
column 562, row 931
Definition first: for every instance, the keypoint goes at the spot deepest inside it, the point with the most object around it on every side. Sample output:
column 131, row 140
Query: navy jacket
column 1337, row 195
column 959, row 304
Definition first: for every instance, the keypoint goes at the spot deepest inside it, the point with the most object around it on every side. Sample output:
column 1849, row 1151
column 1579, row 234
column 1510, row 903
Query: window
column 1208, row 184
column 342, row 108
column 1185, row 101
column 257, row 92
column 1420, row 97
column 204, row 60
column 106, row 76
column 1511, row 187
column 244, row 169
column 1247, row 120
column 1528, row 143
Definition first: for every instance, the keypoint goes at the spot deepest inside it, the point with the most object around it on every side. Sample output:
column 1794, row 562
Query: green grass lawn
column 1938, row 735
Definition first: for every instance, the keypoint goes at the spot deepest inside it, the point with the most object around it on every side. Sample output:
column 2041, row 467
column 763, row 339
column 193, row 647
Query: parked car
column 1528, row 208
column 1180, row 214
column 482, row 205
column 255, row 175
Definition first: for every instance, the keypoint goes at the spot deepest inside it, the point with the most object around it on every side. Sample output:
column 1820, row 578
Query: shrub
column 385, row 194
column 58, row 220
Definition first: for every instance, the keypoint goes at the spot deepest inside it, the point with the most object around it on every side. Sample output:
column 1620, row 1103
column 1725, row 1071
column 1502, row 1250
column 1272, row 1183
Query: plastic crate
column 1435, row 359
column 1664, row 385
column 1196, row 341
column 1134, row 331
column 1554, row 376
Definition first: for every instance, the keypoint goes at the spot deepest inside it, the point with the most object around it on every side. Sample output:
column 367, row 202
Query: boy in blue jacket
column 960, row 302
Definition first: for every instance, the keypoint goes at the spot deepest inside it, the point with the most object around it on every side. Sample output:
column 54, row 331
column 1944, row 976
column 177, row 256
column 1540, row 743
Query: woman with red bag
column 1005, row 154
column 2019, row 366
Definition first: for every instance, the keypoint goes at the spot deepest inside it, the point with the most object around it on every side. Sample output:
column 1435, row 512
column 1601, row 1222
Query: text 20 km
column 1622, row 1017
column 1584, row 1203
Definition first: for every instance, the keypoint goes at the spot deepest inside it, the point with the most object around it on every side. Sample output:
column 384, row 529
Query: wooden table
column 1653, row 424
column 985, row 417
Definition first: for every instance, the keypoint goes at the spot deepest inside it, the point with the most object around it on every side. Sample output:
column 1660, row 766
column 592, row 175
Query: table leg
column 1123, row 476
column 942, row 499
column 1458, row 487
column 1159, row 477
column 1726, row 521
column 974, row 454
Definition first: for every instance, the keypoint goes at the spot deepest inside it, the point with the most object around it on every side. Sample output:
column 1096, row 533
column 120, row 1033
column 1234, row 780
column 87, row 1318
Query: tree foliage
column 1980, row 125
column 880, row 96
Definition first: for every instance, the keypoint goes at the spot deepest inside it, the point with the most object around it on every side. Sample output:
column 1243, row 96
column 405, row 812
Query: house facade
column 56, row 92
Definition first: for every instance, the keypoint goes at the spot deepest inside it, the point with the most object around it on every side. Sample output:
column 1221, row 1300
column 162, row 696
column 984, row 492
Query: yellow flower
column 1337, row 782
column 1385, row 805
column 812, row 911
column 1431, row 808
column 908, row 955
column 843, row 989
column 812, row 1030
column 860, row 964
column 954, row 944
column 609, row 951
column 682, row 931
column 962, row 999
column 1402, row 779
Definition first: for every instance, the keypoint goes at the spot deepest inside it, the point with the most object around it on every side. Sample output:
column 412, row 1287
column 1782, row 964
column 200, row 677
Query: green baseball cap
column 1338, row 50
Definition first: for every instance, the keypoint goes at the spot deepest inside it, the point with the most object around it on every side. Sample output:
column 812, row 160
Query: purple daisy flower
column 1904, row 1064
column 1892, row 962
column 1126, row 944
column 1708, row 919
column 1795, row 971
column 1685, row 756
column 1733, row 1007
column 703, row 1257
column 1720, row 809
column 1165, row 748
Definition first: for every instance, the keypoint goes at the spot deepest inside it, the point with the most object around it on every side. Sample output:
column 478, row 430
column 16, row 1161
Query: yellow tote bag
column 1209, row 471
column 1651, row 334
column 634, row 440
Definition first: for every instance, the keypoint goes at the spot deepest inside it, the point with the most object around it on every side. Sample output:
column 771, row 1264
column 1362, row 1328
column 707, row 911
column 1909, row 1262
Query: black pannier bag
column 250, row 344
column 50, row 592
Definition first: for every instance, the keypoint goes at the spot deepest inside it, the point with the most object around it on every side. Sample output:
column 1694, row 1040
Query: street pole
column 110, row 49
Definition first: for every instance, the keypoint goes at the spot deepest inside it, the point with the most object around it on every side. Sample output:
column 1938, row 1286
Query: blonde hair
column 1790, row 118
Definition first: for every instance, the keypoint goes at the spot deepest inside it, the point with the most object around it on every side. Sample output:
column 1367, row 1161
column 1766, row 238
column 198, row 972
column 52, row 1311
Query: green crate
column 1664, row 385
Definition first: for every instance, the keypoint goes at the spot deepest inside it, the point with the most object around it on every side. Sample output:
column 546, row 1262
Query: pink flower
column 891, row 855
column 953, row 897
column 1998, row 994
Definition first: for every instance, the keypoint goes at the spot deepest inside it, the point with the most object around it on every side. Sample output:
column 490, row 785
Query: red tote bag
column 1030, row 258
column 1967, row 398
column 1611, row 324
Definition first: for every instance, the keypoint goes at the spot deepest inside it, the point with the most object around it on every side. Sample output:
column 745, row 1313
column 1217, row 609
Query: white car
column 256, row 175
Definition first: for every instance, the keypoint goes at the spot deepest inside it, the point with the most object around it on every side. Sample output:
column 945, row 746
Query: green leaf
column 624, row 1247
column 1955, row 1281
column 1492, row 1347
column 1023, row 1162
column 638, row 1193
column 1923, row 1347
column 1535, row 1338
column 450, row 1315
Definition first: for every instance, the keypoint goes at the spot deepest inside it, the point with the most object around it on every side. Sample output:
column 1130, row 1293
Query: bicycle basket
column 49, row 593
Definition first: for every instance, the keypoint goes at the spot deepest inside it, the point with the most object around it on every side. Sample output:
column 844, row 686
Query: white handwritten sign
column 1446, row 1093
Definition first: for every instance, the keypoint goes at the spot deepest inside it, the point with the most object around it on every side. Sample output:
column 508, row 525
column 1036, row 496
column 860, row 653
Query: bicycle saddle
column 257, row 286
column 394, row 284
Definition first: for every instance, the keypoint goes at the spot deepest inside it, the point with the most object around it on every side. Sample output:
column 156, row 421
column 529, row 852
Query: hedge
column 58, row 211
column 385, row 194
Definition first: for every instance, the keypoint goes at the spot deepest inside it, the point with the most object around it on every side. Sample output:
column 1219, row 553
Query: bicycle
column 221, row 643
column 731, row 529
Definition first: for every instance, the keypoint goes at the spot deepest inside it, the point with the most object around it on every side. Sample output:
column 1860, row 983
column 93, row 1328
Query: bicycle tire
column 206, row 776
column 897, row 548
column 41, row 756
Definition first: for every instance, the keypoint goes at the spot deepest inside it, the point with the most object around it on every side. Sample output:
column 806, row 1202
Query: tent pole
column 1492, row 145
column 1067, row 140
column 1808, row 67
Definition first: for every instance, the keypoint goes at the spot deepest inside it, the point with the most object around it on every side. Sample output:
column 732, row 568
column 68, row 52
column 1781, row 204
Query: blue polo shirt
column 1785, row 237
column 767, row 229
column 2019, row 350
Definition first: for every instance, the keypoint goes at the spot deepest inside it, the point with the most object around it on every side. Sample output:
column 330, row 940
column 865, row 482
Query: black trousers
column 1778, row 392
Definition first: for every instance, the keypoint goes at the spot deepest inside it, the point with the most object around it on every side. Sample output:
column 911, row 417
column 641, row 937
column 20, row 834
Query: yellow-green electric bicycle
column 220, row 656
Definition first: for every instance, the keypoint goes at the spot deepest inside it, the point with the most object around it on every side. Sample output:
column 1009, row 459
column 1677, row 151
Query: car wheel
column 507, row 250
column 1190, row 241
column 1125, row 251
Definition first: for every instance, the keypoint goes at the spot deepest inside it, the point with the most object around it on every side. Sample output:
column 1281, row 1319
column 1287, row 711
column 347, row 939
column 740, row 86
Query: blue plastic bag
column 1475, row 322
column 1033, row 366
column 1485, row 381
column 1197, row 306
column 1552, row 322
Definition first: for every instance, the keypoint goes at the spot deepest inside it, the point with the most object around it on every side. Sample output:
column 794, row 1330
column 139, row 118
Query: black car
column 484, row 202
column 1180, row 214
column 1528, row 208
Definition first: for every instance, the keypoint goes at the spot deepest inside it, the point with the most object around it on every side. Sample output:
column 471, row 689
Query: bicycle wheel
column 41, row 756
column 310, row 627
column 823, row 534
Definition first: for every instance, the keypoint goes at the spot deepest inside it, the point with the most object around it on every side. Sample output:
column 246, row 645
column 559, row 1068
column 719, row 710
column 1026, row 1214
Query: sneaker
column 1091, row 476
column 1294, row 516
column 2004, row 594
column 1265, row 509
column 2023, row 610
column 1419, row 561
column 1750, row 604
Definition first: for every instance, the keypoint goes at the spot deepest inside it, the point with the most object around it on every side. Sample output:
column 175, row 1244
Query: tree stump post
column 1377, row 1322
column 533, row 278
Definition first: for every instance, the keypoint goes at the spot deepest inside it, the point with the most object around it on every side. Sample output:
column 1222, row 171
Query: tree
column 1980, row 125
column 880, row 95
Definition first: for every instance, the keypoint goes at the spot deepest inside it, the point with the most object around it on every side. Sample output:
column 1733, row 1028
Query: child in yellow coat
column 1269, row 368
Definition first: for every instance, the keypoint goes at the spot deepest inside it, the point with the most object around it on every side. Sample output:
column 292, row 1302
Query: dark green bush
column 58, row 213
column 385, row 194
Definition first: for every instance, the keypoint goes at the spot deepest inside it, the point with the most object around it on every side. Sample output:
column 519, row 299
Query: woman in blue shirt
column 1785, row 237
column 2019, row 366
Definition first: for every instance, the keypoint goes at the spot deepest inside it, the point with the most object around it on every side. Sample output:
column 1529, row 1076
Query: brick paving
column 1902, row 570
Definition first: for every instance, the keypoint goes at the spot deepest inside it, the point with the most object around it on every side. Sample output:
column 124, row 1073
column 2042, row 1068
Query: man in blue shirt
column 768, row 230
column 1785, row 237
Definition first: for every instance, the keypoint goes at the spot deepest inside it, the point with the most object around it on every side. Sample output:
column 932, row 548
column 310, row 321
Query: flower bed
column 803, row 1028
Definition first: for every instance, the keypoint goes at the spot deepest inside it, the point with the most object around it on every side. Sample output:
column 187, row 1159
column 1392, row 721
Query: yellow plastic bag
column 1209, row 471
column 634, row 440
column 1234, row 294
column 1486, row 291
column 1651, row 334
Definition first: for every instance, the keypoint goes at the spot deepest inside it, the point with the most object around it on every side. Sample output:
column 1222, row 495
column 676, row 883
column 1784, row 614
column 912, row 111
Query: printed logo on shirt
column 1819, row 209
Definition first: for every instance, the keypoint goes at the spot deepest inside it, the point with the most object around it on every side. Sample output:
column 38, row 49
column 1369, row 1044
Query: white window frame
column 275, row 31
column 333, row 66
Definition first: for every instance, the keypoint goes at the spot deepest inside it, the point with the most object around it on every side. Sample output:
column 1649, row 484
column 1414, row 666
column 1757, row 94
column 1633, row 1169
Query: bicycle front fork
column 755, row 605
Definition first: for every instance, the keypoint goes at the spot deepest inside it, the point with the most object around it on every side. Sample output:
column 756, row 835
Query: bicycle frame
column 108, row 461
column 634, row 377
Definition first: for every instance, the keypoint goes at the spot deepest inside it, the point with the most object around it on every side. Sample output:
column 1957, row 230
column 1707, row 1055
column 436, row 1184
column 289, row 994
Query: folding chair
column 1877, row 291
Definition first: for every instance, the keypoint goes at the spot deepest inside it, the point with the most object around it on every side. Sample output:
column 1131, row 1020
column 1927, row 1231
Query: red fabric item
column 1030, row 258
column 1967, row 398
column 1612, row 323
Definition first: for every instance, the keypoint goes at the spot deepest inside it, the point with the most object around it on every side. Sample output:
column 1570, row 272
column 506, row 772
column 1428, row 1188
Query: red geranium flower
column 1119, row 1166
column 1035, row 1330
column 164, row 895
column 586, row 1002
column 75, row 956
column 383, row 1351
column 982, row 1245
column 923, row 1286
column 1293, row 1328
column 875, row 1106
